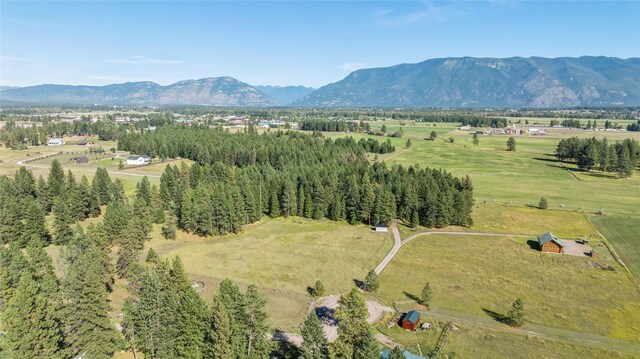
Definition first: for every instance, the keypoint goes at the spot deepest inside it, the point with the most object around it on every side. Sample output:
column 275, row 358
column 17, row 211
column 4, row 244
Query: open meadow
column 283, row 257
column 572, row 305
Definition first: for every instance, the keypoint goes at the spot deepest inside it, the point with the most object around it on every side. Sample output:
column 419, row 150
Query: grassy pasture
column 469, row 275
column 283, row 257
column 624, row 235
column 470, row 341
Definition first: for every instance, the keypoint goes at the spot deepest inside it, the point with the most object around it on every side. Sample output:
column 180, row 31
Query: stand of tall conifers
column 237, row 178
column 591, row 153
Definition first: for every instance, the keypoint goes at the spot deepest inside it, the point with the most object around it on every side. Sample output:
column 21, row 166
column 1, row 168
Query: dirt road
column 24, row 163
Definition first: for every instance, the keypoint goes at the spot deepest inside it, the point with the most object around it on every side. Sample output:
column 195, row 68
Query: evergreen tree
column 396, row 353
column 169, row 229
column 234, row 302
column 511, row 144
column 516, row 314
column 354, row 330
column 63, row 218
column 543, row 203
column 116, row 220
column 218, row 332
column 255, row 324
column 384, row 208
column 100, row 186
column 367, row 198
column 625, row 166
column 12, row 264
column 318, row 289
column 131, row 245
column 190, row 314
column 152, row 256
column 32, row 326
column 476, row 140
column 33, row 223
column 371, row 282
column 314, row 343
column 55, row 181
column 88, row 328
column 367, row 347
column 426, row 294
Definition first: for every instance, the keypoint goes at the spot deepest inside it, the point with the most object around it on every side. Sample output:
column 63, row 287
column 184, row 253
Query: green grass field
column 568, row 300
column 624, row 235
column 284, row 257
column 473, row 274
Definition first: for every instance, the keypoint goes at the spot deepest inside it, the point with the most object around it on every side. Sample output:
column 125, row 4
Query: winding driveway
column 398, row 242
column 25, row 163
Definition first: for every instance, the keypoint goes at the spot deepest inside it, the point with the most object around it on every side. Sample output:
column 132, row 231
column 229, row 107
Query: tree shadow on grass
column 497, row 316
column 412, row 297
column 359, row 283
column 552, row 159
column 311, row 291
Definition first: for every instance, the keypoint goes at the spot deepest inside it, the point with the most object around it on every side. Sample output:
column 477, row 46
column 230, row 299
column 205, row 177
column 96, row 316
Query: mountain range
column 488, row 82
column 445, row 82
column 213, row 91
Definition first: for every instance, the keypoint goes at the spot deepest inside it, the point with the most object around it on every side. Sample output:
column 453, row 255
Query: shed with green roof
column 410, row 320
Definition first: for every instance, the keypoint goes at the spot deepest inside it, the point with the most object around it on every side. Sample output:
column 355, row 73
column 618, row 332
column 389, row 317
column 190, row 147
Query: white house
column 382, row 228
column 55, row 142
column 138, row 160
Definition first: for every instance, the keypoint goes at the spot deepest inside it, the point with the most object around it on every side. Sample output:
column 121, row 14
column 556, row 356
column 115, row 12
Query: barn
column 550, row 243
column 410, row 320
column 81, row 159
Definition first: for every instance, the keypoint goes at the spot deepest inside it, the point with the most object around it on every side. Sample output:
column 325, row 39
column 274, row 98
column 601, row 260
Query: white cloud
column 146, row 61
column 5, row 59
column 427, row 11
column 352, row 66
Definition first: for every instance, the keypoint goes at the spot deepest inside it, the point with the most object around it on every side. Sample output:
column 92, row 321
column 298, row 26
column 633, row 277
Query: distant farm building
column 385, row 354
column 410, row 320
column 593, row 253
column 464, row 128
column 382, row 228
column 138, row 160
column 55, row 142
column 85, row 143
column 81, row 159
column 550, row 243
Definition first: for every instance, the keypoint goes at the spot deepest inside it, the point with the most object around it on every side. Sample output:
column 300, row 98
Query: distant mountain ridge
column 513, row 82
column 285, row 94
column 212, row 91
column 488, row 82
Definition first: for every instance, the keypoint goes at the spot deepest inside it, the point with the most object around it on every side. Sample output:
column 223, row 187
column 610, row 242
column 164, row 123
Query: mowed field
column 624, row 235
column 283, row 257
column 474, row 276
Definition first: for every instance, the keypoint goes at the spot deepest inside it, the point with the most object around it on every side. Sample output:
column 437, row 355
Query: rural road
column 398, row 242
column 76, row 169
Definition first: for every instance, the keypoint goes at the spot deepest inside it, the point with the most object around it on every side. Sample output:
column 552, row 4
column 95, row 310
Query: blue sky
column 291, row 43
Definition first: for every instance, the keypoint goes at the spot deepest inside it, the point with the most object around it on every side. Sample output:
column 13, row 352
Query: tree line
column 591, row 153
column 337, row 125
column 313, row 178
